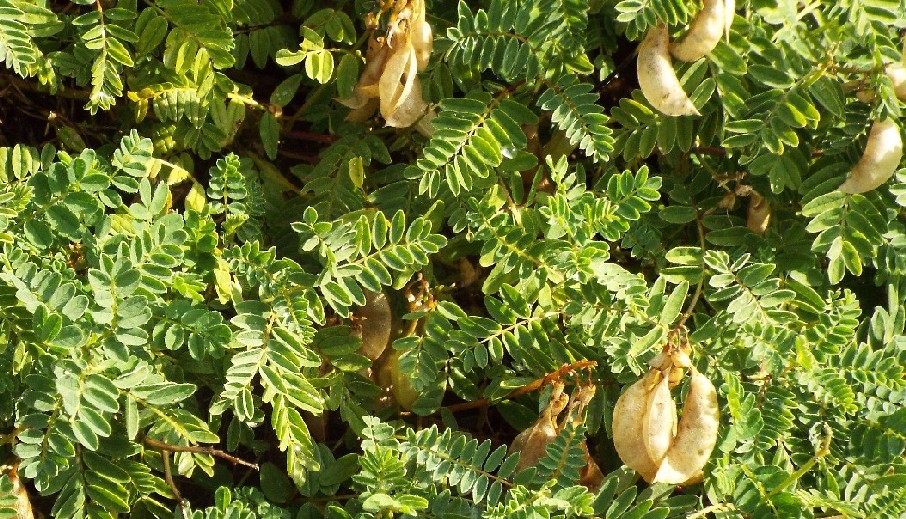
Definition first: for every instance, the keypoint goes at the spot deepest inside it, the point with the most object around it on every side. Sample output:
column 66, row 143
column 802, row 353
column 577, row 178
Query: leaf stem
column 206, row 449
column 823, row 451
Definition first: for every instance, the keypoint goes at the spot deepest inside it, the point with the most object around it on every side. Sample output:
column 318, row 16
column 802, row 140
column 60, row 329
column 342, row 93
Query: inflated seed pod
column 696, row 435
column 659, row 423
column 897, row 74
column 879, row 161
column 657, row 77
column 628, row 426
column 704, row 34
column 376, row 321
column 390, row 377
column 759, row 213
column 531, row 444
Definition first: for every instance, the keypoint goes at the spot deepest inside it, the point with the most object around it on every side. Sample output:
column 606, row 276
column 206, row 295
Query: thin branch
column 168, row 476
column 527, row 388
column 698, row 288
column 207, row 449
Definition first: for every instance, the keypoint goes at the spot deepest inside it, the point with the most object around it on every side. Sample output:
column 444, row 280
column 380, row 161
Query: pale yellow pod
column 879, row 161
column 897, row 74
column 696, row 435
column 729, row 14
column 657, row 78
column 531, row 444
column 628, row 420
column 759, row 213
column 659, row 425
column 703, row 35
column 423, row 41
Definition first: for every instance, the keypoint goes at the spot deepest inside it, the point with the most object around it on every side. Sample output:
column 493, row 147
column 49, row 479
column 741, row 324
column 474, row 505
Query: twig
column 168, row 476
column 207, row 449
column 527, row 388
column 698, row 288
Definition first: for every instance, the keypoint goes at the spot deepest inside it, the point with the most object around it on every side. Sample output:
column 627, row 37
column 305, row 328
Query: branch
column 534, row 385
column 207, row 449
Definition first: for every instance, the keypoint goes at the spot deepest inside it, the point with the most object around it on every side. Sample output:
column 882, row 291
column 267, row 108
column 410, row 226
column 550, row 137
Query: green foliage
column 190, row 226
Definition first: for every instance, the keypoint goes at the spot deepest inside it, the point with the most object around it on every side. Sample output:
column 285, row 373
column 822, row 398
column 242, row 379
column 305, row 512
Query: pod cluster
column 647, row 434
column 655, row 72
column 531, row 444
column 392, row 63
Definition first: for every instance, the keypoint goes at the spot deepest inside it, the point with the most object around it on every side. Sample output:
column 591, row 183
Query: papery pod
column 656, row 75
column 704, row 34
column 628, row 425
column 659, row 422
column 531, row 444
column 879, row 161
column 696, row 435
column 23, row 502
column 759, row 214
column 590, row 475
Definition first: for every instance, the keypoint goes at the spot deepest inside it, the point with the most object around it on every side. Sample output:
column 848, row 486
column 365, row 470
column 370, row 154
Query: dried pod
column 696, row 435
column 376, row 320
column 729, row 14
column 897, row 74
column 531, row 444
column 658, row 79
column 364, row 99
column 628, row 424
column 390, row 80
column 704, row 33
column 659, row 423
column 879, row 161
column 23, row 502
column 759, row 214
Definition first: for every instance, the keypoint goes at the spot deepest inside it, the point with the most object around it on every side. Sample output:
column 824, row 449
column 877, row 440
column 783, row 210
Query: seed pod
column 376, row 320
column 628, row 424
column 659, row 424
column 531, row 444
column 23, row 502
column 696, row 435
column 879, row 161
column 658, row 79
column 759, row 213
column 390, row 377
column 897, row 74
column 729, row 14
column 704, row 33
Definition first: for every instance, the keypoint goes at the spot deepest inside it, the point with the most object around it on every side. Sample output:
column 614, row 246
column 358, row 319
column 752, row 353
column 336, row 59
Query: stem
column 701, row 282
column 534, row 385
column 166, row 447
column 823, row 451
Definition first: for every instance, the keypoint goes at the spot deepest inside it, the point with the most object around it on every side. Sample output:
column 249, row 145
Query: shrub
column 198, row 198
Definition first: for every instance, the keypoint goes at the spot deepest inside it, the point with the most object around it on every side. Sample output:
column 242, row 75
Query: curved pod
column 659, row 426
column 657, row 78
column 628, row 419
column 696, row 435
column 879, row 161
column 704, row 33
column 897, row 74
column 729, row 14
